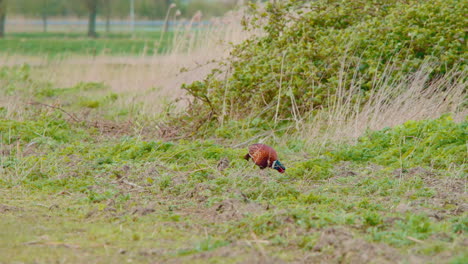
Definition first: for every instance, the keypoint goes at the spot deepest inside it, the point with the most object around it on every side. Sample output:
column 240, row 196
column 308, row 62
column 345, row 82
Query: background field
column 106, row 157
column 66, row 44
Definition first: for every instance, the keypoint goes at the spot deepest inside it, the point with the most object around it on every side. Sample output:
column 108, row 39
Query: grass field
column 62, row 44
column 104, row 191
column 92, row 169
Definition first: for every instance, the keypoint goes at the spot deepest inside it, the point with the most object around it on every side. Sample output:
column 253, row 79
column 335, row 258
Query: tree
column 132, row 15
column 107, row 8
column 44, row 11
column 2, row 17
column 92, row 6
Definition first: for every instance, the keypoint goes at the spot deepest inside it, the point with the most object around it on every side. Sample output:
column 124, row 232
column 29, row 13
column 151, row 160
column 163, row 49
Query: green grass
column 57, row 44
column 437, row 143
column 67, row 189
column 80, row 184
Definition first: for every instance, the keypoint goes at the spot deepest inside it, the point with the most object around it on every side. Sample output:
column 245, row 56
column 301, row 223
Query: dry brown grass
column 413, row 97
column 155, row 80
column 150, row 80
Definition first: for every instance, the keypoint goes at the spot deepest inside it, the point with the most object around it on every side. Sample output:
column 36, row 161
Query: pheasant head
column 278, row 166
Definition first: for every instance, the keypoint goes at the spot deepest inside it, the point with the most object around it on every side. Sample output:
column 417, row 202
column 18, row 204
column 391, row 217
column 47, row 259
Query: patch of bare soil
column 7, row 208
column 168, row 132
column 344, row 169
column 337, row 245
column 18, row 149
column 5, row 150
column 450, row 194
column 199, row 192
column 244, row 253
column 144, row 211
column 227, row 210
column 232, row 209
column 114, row 210
column 110, row 128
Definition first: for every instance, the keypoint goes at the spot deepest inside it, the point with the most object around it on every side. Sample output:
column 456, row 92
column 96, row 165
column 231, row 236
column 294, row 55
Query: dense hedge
column 310, row 49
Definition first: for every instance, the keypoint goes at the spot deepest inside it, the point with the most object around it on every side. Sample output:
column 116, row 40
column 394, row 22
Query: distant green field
column 58, row 44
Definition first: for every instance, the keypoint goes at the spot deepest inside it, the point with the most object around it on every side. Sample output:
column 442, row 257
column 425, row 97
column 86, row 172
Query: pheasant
column 264, row 156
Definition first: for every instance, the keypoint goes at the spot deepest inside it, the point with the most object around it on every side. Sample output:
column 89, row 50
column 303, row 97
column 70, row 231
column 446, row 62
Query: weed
column 438, row 143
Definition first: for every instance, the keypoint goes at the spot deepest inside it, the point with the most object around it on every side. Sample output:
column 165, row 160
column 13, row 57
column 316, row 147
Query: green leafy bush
column 439, row 143
column 310, row 50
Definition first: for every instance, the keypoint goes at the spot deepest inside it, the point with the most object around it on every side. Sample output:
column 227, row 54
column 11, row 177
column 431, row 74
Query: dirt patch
column 417, row 171
column 337, row 245
column 168, row 132
column 223, row 164
column 109, row 128
column 232, row 209
column 7, row 208
column 200, row 192
column 153, row 252
column 143, row 211
column 19, row 149
column 30, row 149
column 346, row 169
column 108, row 212
column 343, row 169
column 227, row 210
column 447, row 188
column 449, row 194
column 5, row 150
column 244, row 253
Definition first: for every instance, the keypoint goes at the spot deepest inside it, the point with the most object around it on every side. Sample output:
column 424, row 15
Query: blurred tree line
column 119, row 9
column 111, row 9
column 2, row 17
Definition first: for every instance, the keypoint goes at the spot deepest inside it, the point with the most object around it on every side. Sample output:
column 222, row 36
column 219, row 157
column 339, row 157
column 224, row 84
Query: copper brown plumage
column 264, row 156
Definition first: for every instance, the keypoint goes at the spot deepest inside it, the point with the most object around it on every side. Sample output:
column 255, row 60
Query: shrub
column 439, row 143
column 310, row 50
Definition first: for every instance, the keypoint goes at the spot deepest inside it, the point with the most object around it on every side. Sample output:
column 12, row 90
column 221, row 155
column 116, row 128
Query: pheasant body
column 264, row 156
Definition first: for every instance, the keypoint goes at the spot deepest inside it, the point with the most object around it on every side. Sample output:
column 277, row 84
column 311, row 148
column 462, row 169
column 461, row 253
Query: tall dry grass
column 154, row 80
column 392, row 102
column 148, row 80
